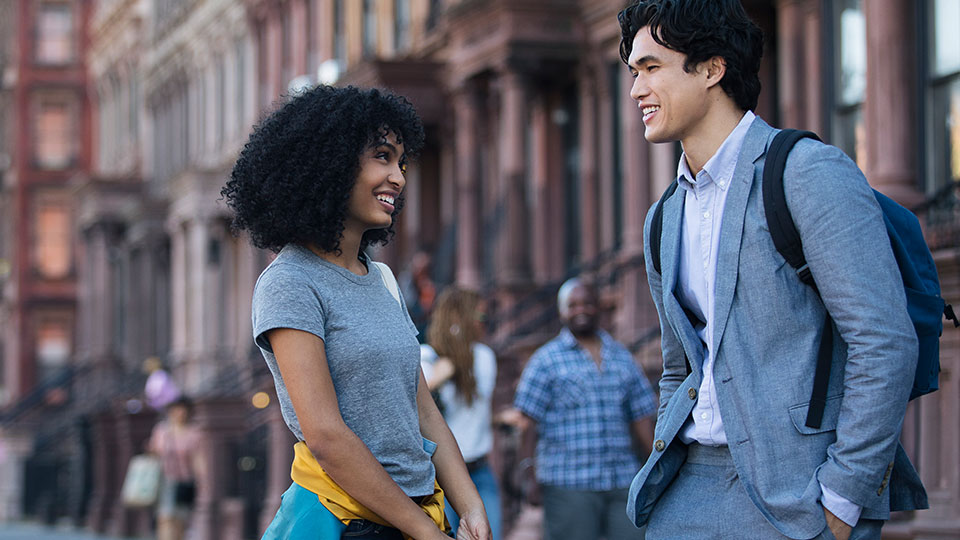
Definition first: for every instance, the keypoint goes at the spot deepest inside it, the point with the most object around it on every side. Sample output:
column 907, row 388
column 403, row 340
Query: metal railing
column 39, row 395
column 940, row 215
column 537, row 310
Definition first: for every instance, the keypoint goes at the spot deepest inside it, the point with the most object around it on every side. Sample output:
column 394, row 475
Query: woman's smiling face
column 379, row 183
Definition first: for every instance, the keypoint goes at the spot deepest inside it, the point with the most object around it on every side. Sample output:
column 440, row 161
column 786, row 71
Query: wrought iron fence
column 940, row 216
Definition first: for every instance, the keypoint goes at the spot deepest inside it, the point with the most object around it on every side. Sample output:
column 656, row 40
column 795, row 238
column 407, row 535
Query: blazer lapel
column 670, row 265
column 731, row 227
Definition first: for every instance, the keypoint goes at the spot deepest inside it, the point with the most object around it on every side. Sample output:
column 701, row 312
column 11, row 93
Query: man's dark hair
column 702, row 29
column 293, row 179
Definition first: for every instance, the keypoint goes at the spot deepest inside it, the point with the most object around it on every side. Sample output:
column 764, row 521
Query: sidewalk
column 31, row 531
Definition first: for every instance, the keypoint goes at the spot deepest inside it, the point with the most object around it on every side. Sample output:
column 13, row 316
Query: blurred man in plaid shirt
column 593, row 411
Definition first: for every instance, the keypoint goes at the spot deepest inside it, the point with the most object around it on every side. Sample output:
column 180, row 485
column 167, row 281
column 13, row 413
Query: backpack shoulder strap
column 389, row 281
column 656, row 225
column 779, row 221
column 787, row 241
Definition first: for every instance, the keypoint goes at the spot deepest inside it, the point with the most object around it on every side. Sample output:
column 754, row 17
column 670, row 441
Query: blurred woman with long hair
column 462, row 372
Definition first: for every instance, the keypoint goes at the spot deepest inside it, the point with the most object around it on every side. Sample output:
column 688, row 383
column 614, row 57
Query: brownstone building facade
column 47, row 128
column 535, row 169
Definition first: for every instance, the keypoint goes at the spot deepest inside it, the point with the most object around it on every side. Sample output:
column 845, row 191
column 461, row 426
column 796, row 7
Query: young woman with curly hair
column 463, row 372
column 320, row 180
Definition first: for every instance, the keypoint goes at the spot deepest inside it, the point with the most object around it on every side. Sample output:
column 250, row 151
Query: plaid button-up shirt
column 583, row 413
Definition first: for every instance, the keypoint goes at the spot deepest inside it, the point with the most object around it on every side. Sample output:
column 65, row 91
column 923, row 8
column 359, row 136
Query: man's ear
column 715, row 68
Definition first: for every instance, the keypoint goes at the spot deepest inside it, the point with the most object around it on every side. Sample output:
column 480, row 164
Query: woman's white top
column 471, row 425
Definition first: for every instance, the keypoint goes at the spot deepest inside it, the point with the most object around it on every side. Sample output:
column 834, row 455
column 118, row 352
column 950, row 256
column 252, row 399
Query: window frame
column 933, row 176
column 71, row 38
column 841, row 112
column 39, row 242
column 70, row 103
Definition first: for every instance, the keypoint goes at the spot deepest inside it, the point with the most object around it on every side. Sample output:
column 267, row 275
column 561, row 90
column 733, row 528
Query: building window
column 53, row 345
column 616, row 139
column 369, row 29
column 851, row 80
column 944, row 96
column 54, row 134
column 339, row 33
column 433, row 15
column 401, row 25
column 55, row 40
column 52, row 243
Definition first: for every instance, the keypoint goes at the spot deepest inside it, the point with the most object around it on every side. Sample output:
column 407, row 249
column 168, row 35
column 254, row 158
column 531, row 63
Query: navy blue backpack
column 920, row 282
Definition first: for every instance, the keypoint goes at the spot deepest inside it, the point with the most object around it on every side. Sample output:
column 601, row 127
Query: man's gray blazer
column 767, row 329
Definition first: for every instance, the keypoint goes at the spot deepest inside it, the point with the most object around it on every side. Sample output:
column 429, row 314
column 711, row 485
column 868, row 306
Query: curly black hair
column 292, row 181
column 702, row 29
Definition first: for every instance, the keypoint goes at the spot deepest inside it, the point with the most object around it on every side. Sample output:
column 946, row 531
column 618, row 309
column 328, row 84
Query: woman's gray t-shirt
column 372, row 352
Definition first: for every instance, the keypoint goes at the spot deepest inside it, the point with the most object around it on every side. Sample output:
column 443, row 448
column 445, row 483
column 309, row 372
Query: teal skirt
column 302, row 517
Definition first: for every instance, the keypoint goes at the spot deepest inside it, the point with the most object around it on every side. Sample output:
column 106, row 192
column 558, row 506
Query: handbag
column 185, row 492
column 141, row 485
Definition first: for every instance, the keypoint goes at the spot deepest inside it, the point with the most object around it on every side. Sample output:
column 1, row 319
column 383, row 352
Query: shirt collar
column 719, row 168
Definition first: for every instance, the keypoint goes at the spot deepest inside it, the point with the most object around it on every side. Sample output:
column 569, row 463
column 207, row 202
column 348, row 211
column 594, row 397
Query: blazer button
column 692, row 393
column 659, row 445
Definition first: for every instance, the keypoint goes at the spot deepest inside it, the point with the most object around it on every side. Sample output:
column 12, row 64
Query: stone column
column 279, row 460
column 589, row 205
column 15, row 447
column 539, row 181
column 813, row 88
column 889, row 108
column 468, row 177
column 178, row 291
column 323, row 27
column 274, row 59
column 663, row 168
column 221, row 421
column 790, row 58
column 299, row 40
column 103, row 447
column 638, row 193
column 939, row 441
column 512, row 245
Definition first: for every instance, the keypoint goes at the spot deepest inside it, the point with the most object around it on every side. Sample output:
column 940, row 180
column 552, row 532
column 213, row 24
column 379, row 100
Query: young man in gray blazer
column 732, row 456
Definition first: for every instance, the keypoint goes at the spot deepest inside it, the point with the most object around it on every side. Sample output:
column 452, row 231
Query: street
column 30, row 531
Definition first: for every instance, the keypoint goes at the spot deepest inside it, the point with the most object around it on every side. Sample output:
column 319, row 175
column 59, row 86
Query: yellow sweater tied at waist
column 307, row 473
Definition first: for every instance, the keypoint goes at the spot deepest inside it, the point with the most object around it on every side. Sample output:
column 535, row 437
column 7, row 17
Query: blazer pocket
column 798, row 413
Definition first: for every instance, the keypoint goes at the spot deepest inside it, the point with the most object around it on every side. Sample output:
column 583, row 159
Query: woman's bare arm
column 302, row 359
column 442, row 371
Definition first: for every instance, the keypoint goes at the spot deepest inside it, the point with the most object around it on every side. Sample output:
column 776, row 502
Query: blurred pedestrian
column 462, row 371
column 176, row 441
column 592, row 409
column 419, row 289
column 318, row 182
column 160, row 389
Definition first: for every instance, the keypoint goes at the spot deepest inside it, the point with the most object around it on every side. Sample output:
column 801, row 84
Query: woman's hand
column 474, row 526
